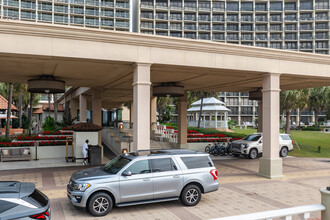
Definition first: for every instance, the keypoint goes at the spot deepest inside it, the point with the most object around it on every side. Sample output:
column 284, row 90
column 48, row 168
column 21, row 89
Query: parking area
column 241, row 191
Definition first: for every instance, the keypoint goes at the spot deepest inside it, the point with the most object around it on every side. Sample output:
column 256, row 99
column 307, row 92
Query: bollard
column 325, row 200
column 319, row 149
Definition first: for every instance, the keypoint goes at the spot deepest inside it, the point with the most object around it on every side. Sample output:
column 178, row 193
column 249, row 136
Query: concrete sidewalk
column 241, row 191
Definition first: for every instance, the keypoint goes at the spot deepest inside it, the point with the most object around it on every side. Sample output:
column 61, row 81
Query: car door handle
column 146, row 179
column 176, row 176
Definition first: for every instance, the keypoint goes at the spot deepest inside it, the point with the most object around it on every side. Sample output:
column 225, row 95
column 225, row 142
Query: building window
column 190, row 17
column 306, row 16
column 76, row 20
column 28, row 4
column 176, row 34
column 147, row 14
column 92, row 21
column 262, row 17
column 232, row 27
column 92, row 11
column 276, row 17
column 204, row 27
column 305, row 36
column 246, row 17
column 217, row 17
column 190, row 35
column 322, row 4
column 14, row 3
column 77, row 10
column 322, row 44
column 261, row 27
column 306, row 45
column 261, row 6
column 175, row 16
column 258, row 44
column 290, row 27
column 29, row 15
column 291, row 45
column 321, row 26
column 204, row 5
column 161, row 15
column 247, row 6
column 291, row 17
column 176, row 26
column 161, row 25
column 276, row 6
column 247, row 37
column 108, row 13
column 275, row 36
column 219, row 6
column 290, row 6
column 45, row 17
column 147, row 24
column 204, row 36
column 322, row 16
column 190, row 26
column 232, row 36
column 306, row 26
column 204, row 17
column 306, row 5
column 231, row 17
column 176, row 4
column 261, row 36
column 61, row 18
column 219, row 27
column 276, row 45
column 218, row 36
column 190, row 4
column 247, row 27
column 232, row 6
column 275, row 27
column 290, row 36
column 321, row 35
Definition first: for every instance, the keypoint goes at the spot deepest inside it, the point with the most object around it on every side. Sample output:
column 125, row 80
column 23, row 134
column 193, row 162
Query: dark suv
column 144, row 177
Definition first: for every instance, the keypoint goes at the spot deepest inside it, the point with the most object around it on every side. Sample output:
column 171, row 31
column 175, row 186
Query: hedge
column 311, row 128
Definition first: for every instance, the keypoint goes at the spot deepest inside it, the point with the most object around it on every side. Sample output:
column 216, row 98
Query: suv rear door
column 139, row 186
column 168, row 179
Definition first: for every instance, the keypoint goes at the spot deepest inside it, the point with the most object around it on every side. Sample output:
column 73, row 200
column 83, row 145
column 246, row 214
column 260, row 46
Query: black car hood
column 91, row 173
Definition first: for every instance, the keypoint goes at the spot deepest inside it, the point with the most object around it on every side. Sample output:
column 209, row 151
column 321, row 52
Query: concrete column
column 141, row 99
column 97, row 106
column 153, row 112
column 182, row 122
column 83, row 108
column 260, row 116
column 131, row 115
column 325, row 200
column 74, row 103
column 270, row 165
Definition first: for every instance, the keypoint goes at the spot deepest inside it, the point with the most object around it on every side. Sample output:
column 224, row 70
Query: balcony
column 204, row 9
column 190, row 8
column 190, row 27
column 161, row 17
column 276, row 38
column 28, row 5
column 290, row 38
column 218, row 8
column 122, row 5
column 321, row 18
column 247, row 20
column 175, row 18
column 247, row 38
column 306, row 18
column 306, row 38
column 232, row 38
column 261, row 19
column 147, row 16
column 147, row 5
column 176, row 7
column 261, row 38
column 161, row 6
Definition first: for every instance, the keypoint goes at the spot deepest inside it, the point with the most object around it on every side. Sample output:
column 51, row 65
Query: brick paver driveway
column 241, row 191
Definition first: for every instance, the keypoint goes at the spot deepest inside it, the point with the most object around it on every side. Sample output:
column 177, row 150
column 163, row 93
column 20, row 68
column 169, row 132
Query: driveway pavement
column 241, row 191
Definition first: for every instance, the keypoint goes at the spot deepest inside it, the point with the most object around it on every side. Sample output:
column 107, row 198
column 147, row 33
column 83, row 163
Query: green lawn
column 308, row 142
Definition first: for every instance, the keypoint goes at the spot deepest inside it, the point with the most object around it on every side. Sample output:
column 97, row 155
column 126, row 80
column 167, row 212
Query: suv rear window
column 285, row 137
column 252, row 137
column 196, row 162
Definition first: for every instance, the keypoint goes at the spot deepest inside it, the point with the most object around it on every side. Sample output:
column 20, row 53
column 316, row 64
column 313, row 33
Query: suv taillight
column 41, row 215
column 214, row 173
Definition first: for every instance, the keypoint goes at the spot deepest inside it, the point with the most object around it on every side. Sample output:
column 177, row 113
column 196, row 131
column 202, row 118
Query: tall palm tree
column 318, row 101
column 10, row 100
column 287, row 103
column 301, row 102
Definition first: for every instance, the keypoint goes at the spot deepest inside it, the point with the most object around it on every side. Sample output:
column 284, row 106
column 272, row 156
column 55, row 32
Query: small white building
column 214, row 114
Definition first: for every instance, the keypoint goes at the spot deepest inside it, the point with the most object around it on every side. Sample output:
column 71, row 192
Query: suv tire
column 284, row 152
column 191, row 195
column 253, row 153
column 100, row 204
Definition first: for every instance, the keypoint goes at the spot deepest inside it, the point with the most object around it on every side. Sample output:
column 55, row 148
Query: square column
column 83, row 108
column 270, row 165
column 153, row 112
column 74, row 104
column 182, row 122
column 141, row 105
column 97, row 107
column 260, row 116
column 131, row 115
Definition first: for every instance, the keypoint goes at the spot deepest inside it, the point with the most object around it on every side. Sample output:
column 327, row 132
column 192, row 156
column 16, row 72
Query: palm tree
column 318, row 101
column 287, row 103
column 10, row 100
column 301, row 102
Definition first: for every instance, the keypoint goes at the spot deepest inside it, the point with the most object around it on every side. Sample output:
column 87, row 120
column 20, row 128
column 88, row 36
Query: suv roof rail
column 154, row 152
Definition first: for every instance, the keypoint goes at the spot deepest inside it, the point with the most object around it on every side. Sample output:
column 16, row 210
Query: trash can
column 94, row 155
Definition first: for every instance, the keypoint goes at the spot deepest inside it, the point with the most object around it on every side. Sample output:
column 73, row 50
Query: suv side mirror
column 260, row 141
column 127, row 173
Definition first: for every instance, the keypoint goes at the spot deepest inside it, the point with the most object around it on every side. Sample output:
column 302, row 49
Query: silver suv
column 251, row 145
column 144, row 177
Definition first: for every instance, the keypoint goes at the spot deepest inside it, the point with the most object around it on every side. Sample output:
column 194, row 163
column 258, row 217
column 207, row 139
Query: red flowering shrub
column 31, row 143
column 57, row 133
column 27, row 138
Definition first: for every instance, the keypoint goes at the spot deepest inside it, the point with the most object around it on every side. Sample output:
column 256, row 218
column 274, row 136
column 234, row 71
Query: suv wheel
column 100, row 204
column 253, row 153
column 284, row 152
column 191, row 195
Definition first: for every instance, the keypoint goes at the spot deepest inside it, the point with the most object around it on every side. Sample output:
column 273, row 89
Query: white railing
column 303, row 212
column 208, row 124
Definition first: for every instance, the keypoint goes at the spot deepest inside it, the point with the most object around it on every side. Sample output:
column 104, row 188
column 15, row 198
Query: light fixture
column 168, row 89
column 46, row 84
column 255, row 95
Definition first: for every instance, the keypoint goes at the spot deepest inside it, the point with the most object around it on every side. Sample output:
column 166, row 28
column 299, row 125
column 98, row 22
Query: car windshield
column 252, row 137
column 116, row 164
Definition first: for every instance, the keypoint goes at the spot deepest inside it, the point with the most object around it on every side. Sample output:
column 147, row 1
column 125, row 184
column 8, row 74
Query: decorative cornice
column 128, row 38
